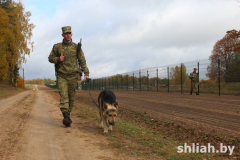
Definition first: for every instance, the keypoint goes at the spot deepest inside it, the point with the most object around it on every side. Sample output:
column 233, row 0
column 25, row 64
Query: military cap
column 195, row 68
column 66, row 29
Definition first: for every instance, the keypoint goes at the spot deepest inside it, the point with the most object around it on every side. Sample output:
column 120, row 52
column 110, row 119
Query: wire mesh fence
column 174, row 78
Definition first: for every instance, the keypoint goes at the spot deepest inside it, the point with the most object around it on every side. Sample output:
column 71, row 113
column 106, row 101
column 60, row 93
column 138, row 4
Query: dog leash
column 87, row 80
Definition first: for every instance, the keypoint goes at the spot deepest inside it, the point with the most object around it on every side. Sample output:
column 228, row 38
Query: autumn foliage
column 15, row 40
column 176, row 74
column 227, row 51
column 20, row 83
column 40, row 81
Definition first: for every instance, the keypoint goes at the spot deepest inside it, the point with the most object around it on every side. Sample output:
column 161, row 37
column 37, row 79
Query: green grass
column 6, row 91
column 2, row 94
column 139, row 141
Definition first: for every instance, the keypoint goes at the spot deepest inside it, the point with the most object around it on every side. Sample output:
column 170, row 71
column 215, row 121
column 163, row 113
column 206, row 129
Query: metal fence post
column 109, row 83
column 127, row 82
column 181, row 79
column 219, row 86
column 92, row 84
column 103, row 83
column 117, row 81
column 112, row 83
column 133, row 81
column 147, row 80
column 140, row 80
column 23, row 80
column 121, row 82
column 198, row 77
column 168, row 78
column 157, row 79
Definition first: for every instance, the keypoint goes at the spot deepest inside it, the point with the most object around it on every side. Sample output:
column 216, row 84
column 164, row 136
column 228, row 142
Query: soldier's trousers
column 67, row 86
column 194, row 87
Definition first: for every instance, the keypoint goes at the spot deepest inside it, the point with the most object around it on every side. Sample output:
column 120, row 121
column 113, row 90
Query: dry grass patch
column 8, row 91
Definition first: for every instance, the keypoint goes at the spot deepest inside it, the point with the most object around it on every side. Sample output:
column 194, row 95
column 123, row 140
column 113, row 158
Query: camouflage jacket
column 69, row 66
column 195, row 78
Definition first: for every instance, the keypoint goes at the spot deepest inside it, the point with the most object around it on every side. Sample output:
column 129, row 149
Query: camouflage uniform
column 67, row 70
column 194, row 82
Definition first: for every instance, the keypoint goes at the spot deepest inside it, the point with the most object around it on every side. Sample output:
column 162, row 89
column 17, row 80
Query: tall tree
column 15, row 40
column 6, row 42
column 225, row 50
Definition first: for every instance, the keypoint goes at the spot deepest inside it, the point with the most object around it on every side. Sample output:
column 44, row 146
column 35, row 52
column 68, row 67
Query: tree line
column 40, row 81
column 15, row 40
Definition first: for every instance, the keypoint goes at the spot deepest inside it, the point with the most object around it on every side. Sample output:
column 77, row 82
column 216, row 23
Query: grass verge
column 7, row 91
column 133, row 137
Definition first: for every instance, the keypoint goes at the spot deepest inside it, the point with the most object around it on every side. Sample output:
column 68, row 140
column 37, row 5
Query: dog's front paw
column 101, row 125
column 105, row 131
column 110, row 127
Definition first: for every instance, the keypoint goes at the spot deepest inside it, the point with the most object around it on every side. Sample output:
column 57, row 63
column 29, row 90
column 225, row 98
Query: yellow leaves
column 5, row 40
column 3, row 66
column 4, row 19
column 20, row 83
column 175, row 75
column 15, row 39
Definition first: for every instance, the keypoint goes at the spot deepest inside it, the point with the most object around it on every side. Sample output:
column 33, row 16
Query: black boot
column 196, row 93
column 70, row 122
column 66, row 120
column 190, row 93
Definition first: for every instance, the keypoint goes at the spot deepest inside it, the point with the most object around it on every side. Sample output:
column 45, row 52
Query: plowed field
column 211, row 111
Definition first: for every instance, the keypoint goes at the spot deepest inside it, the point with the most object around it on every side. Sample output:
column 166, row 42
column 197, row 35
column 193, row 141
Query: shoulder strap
column 60, row 45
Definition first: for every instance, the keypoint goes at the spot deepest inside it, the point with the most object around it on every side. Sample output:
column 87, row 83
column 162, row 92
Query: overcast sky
column 124, row 35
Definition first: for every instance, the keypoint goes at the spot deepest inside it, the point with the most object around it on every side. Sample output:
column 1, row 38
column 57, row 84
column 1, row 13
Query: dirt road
column 32, row 128
column 31, row 122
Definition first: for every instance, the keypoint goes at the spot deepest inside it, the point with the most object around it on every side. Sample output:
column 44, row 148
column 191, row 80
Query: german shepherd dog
column 108, row 107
